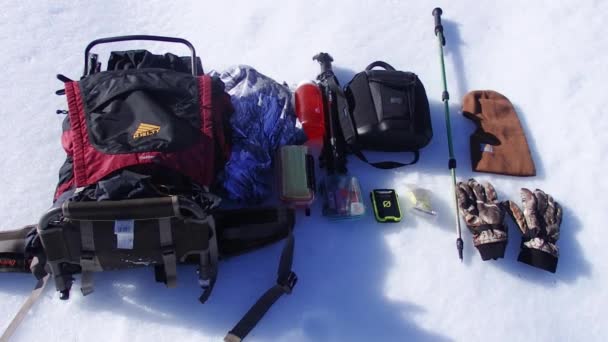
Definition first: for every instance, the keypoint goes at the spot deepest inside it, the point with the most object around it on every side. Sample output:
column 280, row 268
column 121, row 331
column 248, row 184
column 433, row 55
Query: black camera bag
column 388, row 110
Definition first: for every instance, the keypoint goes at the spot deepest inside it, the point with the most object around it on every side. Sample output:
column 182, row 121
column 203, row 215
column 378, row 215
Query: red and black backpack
column 156, row 110
column 145, row 141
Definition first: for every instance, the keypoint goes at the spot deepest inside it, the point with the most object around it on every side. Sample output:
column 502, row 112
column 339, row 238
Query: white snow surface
column 359, row 281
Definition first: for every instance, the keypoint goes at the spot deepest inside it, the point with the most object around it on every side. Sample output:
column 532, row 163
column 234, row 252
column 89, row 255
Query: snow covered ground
column 359, row 281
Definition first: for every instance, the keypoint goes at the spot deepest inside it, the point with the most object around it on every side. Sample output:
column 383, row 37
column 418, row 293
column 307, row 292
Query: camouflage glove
column 539, row 223
column 484, row 217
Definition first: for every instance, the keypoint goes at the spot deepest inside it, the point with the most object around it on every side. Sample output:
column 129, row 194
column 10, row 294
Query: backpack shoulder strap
column 286, row 280
column 240, row 230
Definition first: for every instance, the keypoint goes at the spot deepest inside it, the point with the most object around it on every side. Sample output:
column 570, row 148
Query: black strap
column 335, row 87
column 380, row 64
column 343, row 127
column 286, row 280
column 385, row 165
column 208, row 263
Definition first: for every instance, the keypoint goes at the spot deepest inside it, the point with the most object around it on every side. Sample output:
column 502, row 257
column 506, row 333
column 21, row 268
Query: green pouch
column 297, row 181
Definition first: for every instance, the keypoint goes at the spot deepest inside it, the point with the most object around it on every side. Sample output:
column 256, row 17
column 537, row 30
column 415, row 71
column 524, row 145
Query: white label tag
column 124, row 226
column 124, row 241
column 357, row 208
column 124, row 230
column 487, row 148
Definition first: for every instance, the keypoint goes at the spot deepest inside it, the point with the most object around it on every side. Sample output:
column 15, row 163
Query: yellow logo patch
column 145, row 130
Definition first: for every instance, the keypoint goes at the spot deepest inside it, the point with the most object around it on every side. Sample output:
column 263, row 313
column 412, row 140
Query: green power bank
column 386, row 205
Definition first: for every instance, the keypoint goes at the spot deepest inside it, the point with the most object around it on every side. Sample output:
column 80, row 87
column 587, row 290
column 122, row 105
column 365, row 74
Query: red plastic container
column 309, row 109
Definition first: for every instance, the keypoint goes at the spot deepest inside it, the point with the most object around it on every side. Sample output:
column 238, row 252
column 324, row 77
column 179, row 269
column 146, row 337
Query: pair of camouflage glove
column 539, row 223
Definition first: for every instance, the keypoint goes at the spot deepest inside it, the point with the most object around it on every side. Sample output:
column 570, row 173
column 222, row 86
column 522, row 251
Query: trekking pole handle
column 437, row 12
column 140, row 37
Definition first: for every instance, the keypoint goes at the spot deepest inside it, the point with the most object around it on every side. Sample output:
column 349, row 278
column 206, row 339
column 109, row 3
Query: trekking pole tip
column 459, row 245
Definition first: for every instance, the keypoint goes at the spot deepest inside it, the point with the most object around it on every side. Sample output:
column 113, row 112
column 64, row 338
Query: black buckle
column 207, row 286
column 87, row 255
column 205, row 295
column 167, row 249
column 289, row 283
column 64, row 294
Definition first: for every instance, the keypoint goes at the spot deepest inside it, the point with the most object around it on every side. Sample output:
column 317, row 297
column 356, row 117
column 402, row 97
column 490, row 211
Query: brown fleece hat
column 499, row 144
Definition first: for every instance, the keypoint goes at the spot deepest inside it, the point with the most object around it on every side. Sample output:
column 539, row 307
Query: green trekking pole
column 445, row 97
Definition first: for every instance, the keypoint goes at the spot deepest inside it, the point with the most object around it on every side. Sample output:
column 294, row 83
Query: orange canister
column 309, row 109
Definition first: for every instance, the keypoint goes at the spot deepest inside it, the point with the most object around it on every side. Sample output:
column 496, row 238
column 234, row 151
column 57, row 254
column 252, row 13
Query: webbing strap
column 168, row 252
column 205, row 275
column 286, row 280
column 87, row 257
column 25, row 308
column 208, row 263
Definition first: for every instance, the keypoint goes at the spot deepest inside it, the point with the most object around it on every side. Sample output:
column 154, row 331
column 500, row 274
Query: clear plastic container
column 342, row 197
column 420, row 201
